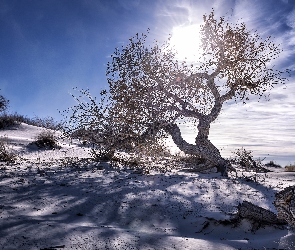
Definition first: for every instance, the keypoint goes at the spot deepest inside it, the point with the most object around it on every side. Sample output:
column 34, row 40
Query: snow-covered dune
column 50, row 201
column 19, row 137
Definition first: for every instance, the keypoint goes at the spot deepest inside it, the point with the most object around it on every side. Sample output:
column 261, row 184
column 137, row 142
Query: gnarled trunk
column 203, row 147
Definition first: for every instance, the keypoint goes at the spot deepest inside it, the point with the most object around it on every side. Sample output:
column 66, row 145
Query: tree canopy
column 148, row 83
column 150, row 90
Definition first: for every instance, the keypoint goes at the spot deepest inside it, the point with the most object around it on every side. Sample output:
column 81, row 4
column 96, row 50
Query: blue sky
column 48, row 47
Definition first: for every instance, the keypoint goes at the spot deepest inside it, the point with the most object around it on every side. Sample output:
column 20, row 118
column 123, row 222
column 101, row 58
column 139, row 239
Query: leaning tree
column 150, row 90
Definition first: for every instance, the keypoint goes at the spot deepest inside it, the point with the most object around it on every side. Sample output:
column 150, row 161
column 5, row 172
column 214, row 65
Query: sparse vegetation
column 46, row 140
column 3, row 103
column 144, row 157
column 245, row 160
column 192, row 163
column 47, row 122
column 290, row 168
column 5, row 154
column 271, row 164
column 9, row 120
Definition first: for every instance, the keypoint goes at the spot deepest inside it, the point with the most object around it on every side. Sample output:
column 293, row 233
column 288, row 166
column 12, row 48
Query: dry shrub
column 246, row 161
column 101, row 154
column 47, row 122
column 5, row 154
column 9, row 120
column 290, row 168
column 142, row 157
column 46, row 140
column 271, row 164
column 192, row 162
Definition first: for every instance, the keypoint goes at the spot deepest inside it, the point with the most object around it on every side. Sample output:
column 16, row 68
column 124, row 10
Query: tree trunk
column 203, row 147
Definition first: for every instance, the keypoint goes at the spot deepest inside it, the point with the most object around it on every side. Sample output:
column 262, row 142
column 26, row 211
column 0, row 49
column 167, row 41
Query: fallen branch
column 285, row 204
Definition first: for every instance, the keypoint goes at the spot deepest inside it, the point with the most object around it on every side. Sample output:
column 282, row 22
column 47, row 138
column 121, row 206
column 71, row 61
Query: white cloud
column 291, row 19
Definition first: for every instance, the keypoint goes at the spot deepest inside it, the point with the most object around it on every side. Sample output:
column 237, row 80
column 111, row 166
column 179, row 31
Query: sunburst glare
column 186, row 41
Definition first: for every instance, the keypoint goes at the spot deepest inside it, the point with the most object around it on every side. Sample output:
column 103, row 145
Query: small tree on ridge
column 3, row 103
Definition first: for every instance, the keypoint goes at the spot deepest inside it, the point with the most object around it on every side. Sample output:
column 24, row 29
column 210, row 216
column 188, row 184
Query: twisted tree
column 150, row 90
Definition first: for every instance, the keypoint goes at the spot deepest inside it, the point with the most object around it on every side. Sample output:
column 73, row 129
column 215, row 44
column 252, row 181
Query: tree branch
column 227, row 96
column 184, row 111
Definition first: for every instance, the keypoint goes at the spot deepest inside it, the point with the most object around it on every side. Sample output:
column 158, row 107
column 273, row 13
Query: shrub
column 101, row 154
column 46, row 140
column 245, row 160
column 290, row 168
column 5, row 154
column 47, row 122
column 7, row 121
column 271, row 164
column 3, row 103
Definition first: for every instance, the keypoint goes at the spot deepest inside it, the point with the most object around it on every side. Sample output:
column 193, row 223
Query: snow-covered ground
column 59, row 199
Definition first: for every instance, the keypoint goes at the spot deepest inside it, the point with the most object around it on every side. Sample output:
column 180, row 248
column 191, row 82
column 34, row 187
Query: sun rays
column 186, row 41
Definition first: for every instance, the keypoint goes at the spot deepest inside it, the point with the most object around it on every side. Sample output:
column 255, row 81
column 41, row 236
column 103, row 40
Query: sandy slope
column 90, row 206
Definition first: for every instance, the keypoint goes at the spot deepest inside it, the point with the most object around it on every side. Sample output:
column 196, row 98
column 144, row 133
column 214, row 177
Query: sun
column 186, row 41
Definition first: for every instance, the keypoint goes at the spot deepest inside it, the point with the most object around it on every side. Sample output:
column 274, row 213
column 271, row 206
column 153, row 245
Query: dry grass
column 290, row 168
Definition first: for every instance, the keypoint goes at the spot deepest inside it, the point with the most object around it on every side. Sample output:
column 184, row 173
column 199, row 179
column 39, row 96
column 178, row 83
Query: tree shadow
column 95, row 209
